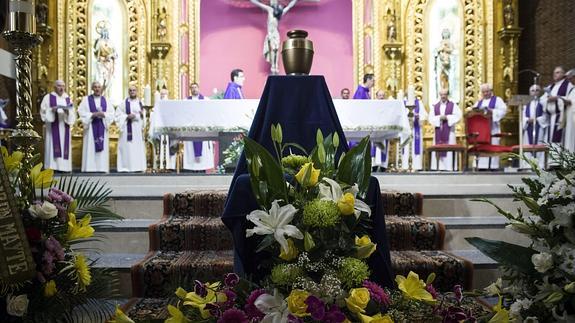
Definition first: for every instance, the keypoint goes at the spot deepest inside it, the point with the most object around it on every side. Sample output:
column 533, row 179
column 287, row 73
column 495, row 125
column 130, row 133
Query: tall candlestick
column 147, row 95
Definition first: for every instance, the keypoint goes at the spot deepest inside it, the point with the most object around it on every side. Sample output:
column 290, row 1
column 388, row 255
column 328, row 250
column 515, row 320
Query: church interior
column 140, row 139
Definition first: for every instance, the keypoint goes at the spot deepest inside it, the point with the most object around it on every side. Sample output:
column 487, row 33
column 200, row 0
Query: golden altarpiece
column 427, row 44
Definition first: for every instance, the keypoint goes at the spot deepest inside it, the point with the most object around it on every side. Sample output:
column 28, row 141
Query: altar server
column 535, row 124
column 362, row 91
column 96, row 116
column 234, row 89
column 569, row 131
column 498, row 109
column 198, row 155
column 556, row 93
column 419, row 117
column 444, row 115
column 58, row 115
column 131, row 148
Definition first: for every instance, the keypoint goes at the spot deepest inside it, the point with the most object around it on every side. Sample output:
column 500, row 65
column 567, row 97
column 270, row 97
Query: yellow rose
column 346, row 204
column 307, row 175
column 364, row 246
column 378, row 318
column 50, row 288
column 292, row 251
column 296, row 302
column 357, row 300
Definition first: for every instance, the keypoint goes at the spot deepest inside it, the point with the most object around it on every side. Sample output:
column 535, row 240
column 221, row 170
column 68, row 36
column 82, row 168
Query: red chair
column 478, row 132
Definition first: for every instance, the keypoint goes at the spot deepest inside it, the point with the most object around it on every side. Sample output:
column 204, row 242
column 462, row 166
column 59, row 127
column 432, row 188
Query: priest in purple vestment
column 362, row 91
column 198, row 155
column 234, row 89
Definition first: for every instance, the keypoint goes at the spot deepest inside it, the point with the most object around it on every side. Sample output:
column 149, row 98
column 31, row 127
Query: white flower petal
column 292, row 231
column 362, row 206
column 285, row 215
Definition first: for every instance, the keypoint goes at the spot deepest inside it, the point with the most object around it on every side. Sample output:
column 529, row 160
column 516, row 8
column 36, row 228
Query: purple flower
column 458, row 293
column 231, row 298
column 231, row 279
column 377, row 293
column 294, row 319
column 454, row 314
column 315, row 307
column 431, row 290
column 214, row 309
column 55, row 248
column 251, row 310
column 334, row 315
column 233, row 315
column 200, row 288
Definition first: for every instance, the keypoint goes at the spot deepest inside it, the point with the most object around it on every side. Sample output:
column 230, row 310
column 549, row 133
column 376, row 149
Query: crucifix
column 275, row 12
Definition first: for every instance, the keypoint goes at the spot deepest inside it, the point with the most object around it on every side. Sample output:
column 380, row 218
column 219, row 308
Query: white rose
column 45, row 211
column 17, row 306
column 542, row 261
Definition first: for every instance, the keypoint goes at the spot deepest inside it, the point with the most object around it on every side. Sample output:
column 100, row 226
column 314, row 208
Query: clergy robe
column 444, row 131
column 57, row 136
column 361, row 93
column 569, row 131
column 233, row 91
column 131, row 148
column 420, row 115
column 498, row 110
column 535, row 135
column 198, row 155
column 3, row 116
column 95, row 148
column 556, row 110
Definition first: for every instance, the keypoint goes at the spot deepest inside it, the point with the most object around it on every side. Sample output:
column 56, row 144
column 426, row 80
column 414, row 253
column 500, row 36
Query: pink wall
column 233, row 37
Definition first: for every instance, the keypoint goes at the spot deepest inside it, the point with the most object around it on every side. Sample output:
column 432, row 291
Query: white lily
column 273, row 306
column 275, row 222
column 331, row 190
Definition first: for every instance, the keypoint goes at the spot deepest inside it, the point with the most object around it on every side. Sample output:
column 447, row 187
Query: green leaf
column 308, row 242
column 506, row 254
column 266, row 242
column 355, row 166
column 270, row 172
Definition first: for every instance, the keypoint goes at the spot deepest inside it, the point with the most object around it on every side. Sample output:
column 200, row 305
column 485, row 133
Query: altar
column 185, row 120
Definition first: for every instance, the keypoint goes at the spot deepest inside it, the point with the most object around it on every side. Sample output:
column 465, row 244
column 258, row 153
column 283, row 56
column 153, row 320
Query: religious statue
column 391, row 29
column 272, row 41
column 508, row 14
column 105, row 54
column 442, row 60
column 162, row 21
column 41, row 14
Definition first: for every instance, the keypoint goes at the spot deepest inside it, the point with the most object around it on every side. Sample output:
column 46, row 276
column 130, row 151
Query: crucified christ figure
column 272, row 41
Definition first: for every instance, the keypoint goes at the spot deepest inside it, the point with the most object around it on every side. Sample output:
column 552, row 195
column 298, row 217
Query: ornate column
column 41, row 61
column 392, row 50
column 21, row 36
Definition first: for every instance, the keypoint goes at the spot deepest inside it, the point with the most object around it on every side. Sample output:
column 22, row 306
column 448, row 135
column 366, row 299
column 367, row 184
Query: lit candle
column 400, row 95
column 21, row 16
column 411, row 95
column 147, row 95
column 156, row 97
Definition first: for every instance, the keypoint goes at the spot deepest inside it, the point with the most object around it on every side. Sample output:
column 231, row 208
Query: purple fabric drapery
column 491, row 104
column 557, row 134
column 129, row 121
column 442, row 132
column 98, row 128
column 362, row 93
column 233, row 91
column 538, row 113
column 56, row 145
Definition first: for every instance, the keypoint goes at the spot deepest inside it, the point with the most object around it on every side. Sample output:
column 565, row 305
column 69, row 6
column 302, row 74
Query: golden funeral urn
column 297, row 53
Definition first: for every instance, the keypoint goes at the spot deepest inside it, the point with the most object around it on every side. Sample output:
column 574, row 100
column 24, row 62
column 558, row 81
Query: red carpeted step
column 414, row 233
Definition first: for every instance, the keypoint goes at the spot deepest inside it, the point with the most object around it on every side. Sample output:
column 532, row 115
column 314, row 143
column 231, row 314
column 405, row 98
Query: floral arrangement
column 233, row 152
column 61, row 216
column 314, row 225
column 538, row 281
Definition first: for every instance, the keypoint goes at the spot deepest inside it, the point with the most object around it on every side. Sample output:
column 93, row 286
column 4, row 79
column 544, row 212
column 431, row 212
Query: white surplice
column 93, row 161
column 445, row 163
column 541, row 137
column 204, row 161
column 131, row 154
column 556, row 110
column 417, row 159
column 569, row 131
column 381, row 157
column 496, row 115
column 48, row 116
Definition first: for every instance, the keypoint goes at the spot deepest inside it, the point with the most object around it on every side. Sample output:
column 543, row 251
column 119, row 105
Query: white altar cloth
column 205, row 120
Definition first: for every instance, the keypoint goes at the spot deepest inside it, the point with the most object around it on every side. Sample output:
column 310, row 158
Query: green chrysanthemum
column 321, row 214
column 353, row 272
column 294, row 162
column 285, row 274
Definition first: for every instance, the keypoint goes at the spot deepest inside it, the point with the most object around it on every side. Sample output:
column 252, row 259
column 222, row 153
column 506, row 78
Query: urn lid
column 297, row 39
